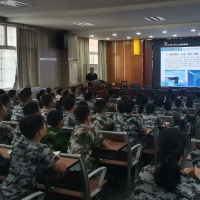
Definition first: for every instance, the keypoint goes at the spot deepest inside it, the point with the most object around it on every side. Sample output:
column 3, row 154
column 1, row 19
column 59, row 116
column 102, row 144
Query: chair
column 124, row 83
column 134, row 85
column 148, row 87
column 169, row 120
column 123, row 86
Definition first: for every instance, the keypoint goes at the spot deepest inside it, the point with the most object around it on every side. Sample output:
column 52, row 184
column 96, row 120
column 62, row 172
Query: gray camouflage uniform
column 104, row 123
column 6, row 133
column 162, row 112
column 152, row 120
column 195, row 156
column 17, row 113
column 83, row 139
column 44, row 113
column 146, row 188
column 197, row 100
column 17, row 136
column 58, row 97
column 91, row 105
column 69, row 120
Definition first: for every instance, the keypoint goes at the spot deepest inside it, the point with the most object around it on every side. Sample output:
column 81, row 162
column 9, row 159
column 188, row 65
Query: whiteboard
column 95, row 66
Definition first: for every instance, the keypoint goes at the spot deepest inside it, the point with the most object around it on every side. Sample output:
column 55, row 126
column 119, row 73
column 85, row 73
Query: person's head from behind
column 120, row 107
column 92, row 70
column 89, row 96
column 100, row 106
column 155, row 96
column 47, row 100
column 127, row 94
column 82, row 114
column 171, row 149
column 84, row 90
column 167, row 105
column 138, row 97
column 69, row 104
column 170, row 91
column 82, row 103
column 189, row 103
column 59, row 91
column 144, row 100
column 48, row 90
column 107, row 98
column 121, row 94
column 183, row 93
column 2, row 91
column 152, row 94
column 158, row 103
column 74, row 90
column 5, row 99
column 40, row 94
column 25, row 96
column 31, row 108
column 55, row 119
column 33, row 127
column 13, row 94
column 125, row 98
column 198, row 95
column 189, row 98
column 95, row 94
column 173, row 96
column 65, row 93
column 178, row 103
column 53, row 96
column 129, row 106
column 3, row 111
column 111, row 92
column 72, row 96
column 150, row 109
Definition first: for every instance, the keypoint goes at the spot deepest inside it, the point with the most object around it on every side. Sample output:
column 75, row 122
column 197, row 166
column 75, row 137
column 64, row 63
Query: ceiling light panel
column 158, row 18
column 83, row 24
column 114, row 34
column 14, row 3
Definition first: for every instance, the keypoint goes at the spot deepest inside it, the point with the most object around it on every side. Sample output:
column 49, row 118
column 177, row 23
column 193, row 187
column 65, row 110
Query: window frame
column 94, row 53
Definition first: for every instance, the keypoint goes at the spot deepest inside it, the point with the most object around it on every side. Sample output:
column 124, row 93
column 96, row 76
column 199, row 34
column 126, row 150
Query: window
column 93, row 51
column 8, row 55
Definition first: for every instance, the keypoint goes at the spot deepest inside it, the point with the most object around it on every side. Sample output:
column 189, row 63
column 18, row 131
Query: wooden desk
column 147, row 131
column 166, row 125
column 182, row 117
column 116, row 146
column 4, row 151
column 191, row 114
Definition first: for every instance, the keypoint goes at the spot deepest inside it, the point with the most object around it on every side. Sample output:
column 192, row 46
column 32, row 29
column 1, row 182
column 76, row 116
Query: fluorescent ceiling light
column 151, row 36
column 174, row 35
column 193, row 30
column 83, row 24
column 14, row 3
column 138, row 33
column 107, row 38
column 114, row 34
column 128, row 37
column 158, row 18
column 164, row 31
column 91, row 35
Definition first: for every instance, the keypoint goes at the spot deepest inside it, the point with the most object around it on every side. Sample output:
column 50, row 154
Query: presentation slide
column 180, row 66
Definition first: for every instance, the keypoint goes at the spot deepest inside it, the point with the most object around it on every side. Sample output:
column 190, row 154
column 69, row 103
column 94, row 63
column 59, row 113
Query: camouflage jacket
column 17, row 136
column 111, row 107
column 91, row 106
column 197, row 100
column 9, row 114
column 58, row 97
column 57, row 139
column 17, row 113
column 132, row 124
column 6, row 133
column 113, row 100
column 44, row 113
column 162, row 112
column 27, row 160
column 152, row 120
column 114, row 115
column 14, row 103
column 195, row 156
column 146, row 188
column 84, row 138
column 179, row 110
column 104, row 123
column 69, row 120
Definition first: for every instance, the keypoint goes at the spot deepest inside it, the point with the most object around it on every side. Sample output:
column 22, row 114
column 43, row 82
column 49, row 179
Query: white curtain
column 83, row 58
column 72, row 47
column 102, row 60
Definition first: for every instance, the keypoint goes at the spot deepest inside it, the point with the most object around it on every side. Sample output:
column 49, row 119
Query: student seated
column 2, row 91
column 182, row 96
column 160, row 111
column 132, row 124
column 89, row 99
column 125, row 97
column 189, row 102
column 152, row 96
column 178, row 107
column 138, row 97
column 111, row 93
column 59, row 104
column 57, row 139
column 28, row 158
column 48, row 90
column 69, row 118
column 121, row 94
column 59, row 92
column 155, row 97
column 169, row 111
column 74, row 91
column 120, row 112
column 40, row 94
column 95, row 95
column 151, row 119
column 85, row 136
column 168, row 181
column 53, row 96
column 5, row 99
column 173, row 98
column 110, row 106
column 25, row 98
column 14, row 98
column 82, row 103
column 143, row 103
column 169, row 93
column 6, row 131
column 47, row 102
column 104, row 123
column 84, row 90
column 197, row 100
column 72, row 96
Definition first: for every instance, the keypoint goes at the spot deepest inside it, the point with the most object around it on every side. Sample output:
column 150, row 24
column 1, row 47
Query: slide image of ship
column 193, row 77
column 175, row 78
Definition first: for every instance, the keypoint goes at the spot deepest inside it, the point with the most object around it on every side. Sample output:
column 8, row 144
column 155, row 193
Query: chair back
column 168, row 119
column 124, row 83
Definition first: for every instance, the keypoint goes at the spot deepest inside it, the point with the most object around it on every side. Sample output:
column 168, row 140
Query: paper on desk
column 167, row 123
column 57, row 153
column 9, row 151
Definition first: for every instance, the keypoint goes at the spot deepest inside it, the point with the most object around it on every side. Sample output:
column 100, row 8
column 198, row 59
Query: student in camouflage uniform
column 84, row 90
column 85, row 136
column 117, row 115
column 111, row 93
column 25, row 97
column 74, row 91
column 168, row 181
column 47, row 102
column 69, row 118
column 197, row 100
column 132, row 124
column 169, row 111
column 121, row 94
column 89, row 99
column 151, row 119
column 159, row 107
column 95, row 96
column 5, row 99
column 59, row 92
column 143, row 103
column 178, row 107
column 172, row 99
column 28, row 158
column 14, row 98
column 110, row 106
column 57, row 139
column 6, row 131
column 104, row 123
column 182, row 97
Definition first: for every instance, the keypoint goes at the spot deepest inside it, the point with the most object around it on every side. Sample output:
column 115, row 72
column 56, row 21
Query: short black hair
column 167, row 105
column 68, row 103
column 111, row 92
column 72, row 96
column 81, row 113
column 59, row 90
column 73, row 89
column 88, row 96
column 65, row 93
column 2, row 91
column 95, row 93
column 82, row 103
column 40, row 94
column 127, row 94
column 120, row 107
column 125, row 98
column 198, row 94
column 100, row 106
column 128, row 105
column 152, row 94
column 31, row 125
column 173, row 96
column 121, row 93
column 31, row 108
column 27, row 88
column 4, row 98
column 83, row 90
column 178, row 102
column 54, row 117
column 106, row 97
column 53, row 95
column 150, row 108
column 158, row 102
column 24, row 95
column 48, row 90
column 155, row 96
column 11, row 93
column 47, row 99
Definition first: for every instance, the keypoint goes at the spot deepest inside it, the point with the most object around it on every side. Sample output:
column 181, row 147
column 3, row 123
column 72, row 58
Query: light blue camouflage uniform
column 17, row 113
